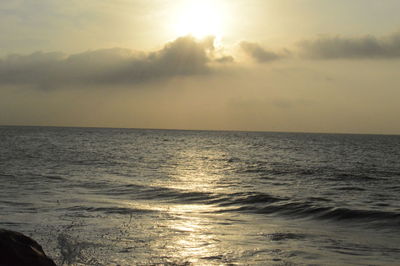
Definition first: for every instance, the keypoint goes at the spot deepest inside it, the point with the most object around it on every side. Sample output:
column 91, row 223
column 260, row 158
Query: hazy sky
column 270, row 65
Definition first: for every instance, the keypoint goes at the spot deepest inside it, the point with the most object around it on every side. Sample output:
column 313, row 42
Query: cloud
column 258, row 53
column 352, row 48
column 185, row 56
column 225, row 59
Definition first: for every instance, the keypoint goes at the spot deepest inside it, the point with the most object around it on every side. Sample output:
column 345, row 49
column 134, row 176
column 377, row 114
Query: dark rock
column 17, row 249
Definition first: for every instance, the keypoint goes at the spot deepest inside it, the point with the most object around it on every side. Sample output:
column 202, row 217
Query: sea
column 103, row 196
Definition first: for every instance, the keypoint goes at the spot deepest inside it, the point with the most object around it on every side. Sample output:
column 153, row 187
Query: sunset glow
column 199, row 132
column 200, row 19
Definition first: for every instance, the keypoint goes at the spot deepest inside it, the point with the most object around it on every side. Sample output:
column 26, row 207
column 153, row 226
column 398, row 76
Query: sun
column 200, row 18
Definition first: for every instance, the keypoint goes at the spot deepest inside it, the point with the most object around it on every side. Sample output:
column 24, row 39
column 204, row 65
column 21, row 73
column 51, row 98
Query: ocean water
column 159, row 197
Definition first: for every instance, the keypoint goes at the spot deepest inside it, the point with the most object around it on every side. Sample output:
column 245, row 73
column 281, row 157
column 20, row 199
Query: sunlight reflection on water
column 194, row 239
column 201, row 174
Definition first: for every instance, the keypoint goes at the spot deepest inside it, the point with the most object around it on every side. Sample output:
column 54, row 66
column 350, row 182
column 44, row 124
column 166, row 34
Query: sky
column 251, row 65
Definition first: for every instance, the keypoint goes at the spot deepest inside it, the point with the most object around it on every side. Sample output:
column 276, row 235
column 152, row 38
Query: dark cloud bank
column 258, row 53
column 186, row 56
column 182, row 57
column 368, row 47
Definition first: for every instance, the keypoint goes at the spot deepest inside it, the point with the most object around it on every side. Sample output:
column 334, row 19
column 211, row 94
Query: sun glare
column 200, row 18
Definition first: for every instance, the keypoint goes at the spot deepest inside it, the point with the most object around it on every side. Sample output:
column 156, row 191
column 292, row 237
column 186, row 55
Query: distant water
column 149, row 197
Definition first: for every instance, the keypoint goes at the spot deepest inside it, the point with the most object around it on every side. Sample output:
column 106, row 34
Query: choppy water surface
column 127, row 197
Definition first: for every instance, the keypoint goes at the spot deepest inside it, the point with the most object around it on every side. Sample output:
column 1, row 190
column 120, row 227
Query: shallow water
column 126, row 197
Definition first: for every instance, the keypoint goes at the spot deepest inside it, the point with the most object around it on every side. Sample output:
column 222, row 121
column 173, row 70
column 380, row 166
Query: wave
column 318, row 208
column 262, row 203
column 284, row 236
column 350, row 189
column 109, row 210
column 318, row 212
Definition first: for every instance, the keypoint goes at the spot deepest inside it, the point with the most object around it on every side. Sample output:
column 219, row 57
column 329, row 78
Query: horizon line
column 206, row 130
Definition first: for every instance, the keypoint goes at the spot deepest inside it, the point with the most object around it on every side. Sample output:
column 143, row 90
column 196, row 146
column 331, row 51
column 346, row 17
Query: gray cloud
column 258, row 53
column 225, row 59
column 182, row 57
column 352, row 48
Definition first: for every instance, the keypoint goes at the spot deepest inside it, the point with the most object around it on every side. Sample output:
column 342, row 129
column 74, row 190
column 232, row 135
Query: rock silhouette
column 17, row 249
